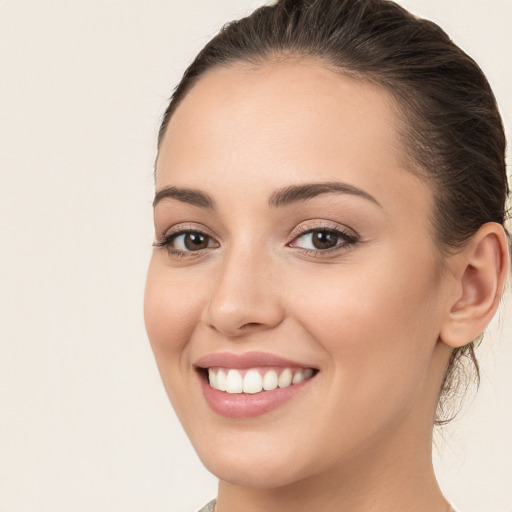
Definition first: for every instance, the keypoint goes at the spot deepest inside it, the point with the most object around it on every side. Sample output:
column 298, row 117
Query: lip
column 246, row 405
column 247, row 360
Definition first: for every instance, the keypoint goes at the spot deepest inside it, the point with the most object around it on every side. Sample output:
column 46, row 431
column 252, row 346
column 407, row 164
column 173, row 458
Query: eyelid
column 187, row 227
column 165, row 240
column 349, row 238
column 317, row 225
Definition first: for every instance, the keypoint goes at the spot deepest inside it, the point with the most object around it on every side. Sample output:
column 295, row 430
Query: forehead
column 287, row 121
column 287, row 98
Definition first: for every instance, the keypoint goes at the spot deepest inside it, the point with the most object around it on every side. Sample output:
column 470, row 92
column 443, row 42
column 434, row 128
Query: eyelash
column 347, row 240
column 167, row 240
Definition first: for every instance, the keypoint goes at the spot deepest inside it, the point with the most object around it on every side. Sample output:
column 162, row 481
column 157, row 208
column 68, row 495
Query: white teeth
column 234, row 382
column 253, row 381
column 285, row 379
column 298, row 377
column 270, row 380
column 220, row 381
column 212, row 377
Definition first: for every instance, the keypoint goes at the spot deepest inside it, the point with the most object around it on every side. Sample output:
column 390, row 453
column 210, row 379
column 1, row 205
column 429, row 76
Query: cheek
column 364, row 301
column 171, row 313
column 171, row 309
column 377, row 323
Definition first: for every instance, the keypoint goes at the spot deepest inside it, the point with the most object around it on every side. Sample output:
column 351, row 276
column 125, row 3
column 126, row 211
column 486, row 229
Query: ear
column 480, row 270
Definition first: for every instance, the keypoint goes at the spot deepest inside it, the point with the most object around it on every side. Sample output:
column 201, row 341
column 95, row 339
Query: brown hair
column 453, row 132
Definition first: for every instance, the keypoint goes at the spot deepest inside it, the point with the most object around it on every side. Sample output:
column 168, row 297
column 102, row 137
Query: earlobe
column 483, row 268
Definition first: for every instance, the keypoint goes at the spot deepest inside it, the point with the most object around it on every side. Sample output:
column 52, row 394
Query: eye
column 191, row 241
column 184, row 242
column 323, row 240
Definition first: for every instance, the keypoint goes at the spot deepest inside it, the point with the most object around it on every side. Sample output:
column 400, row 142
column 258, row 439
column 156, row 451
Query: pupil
column 324, row 239
column 195, row 241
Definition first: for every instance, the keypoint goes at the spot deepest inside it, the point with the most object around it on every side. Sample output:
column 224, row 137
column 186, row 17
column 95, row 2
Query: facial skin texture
column 367, row 315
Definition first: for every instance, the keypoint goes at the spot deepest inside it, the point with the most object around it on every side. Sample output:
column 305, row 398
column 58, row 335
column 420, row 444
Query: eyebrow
column 281, row 197
column 185, row 195
column 296, row 193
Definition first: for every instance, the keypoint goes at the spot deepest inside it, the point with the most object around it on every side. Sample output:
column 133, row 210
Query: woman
column 329, row 210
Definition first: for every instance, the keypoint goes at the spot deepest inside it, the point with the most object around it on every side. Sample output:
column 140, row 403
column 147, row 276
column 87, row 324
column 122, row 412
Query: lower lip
column 246, row 405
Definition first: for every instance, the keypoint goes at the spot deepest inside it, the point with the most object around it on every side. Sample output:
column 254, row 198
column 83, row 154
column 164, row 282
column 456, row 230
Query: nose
column 245, row 295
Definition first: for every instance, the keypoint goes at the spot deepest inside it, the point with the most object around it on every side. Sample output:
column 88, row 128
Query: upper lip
column 246, row 360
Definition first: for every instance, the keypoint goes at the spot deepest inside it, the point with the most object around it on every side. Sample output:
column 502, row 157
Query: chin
column 258, row 460
column 258, row 474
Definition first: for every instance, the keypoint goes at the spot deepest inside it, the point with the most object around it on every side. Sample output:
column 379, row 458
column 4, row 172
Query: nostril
column 244, row 327
column 249, row 325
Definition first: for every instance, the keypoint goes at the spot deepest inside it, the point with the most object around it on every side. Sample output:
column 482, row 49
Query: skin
column 368, row 315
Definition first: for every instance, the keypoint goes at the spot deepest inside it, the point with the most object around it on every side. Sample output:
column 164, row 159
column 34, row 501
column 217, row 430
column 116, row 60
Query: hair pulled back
column 453, row 135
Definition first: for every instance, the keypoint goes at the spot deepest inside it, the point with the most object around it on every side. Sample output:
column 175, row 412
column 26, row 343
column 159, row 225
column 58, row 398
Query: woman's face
column 293, row 242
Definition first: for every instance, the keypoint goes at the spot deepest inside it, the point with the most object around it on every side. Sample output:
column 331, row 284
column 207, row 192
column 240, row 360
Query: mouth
column 251, row 384
column 256, row 380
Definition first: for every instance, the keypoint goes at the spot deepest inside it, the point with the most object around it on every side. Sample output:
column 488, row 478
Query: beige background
column 84, row 421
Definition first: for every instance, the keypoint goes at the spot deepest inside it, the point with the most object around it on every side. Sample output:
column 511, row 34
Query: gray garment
column 210, row 507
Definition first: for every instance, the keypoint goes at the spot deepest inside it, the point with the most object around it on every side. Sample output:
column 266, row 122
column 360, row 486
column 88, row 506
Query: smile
column 251, row 384
column 255, row 380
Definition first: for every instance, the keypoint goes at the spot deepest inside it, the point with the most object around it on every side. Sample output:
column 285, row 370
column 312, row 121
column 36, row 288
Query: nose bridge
column 244, row 293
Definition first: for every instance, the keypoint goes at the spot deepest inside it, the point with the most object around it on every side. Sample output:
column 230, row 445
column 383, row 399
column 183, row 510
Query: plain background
column 84, row 422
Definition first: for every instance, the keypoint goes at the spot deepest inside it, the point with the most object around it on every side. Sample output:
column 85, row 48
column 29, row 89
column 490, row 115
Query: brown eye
column 323, row 240
column 195, row 241
column 188, row 241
